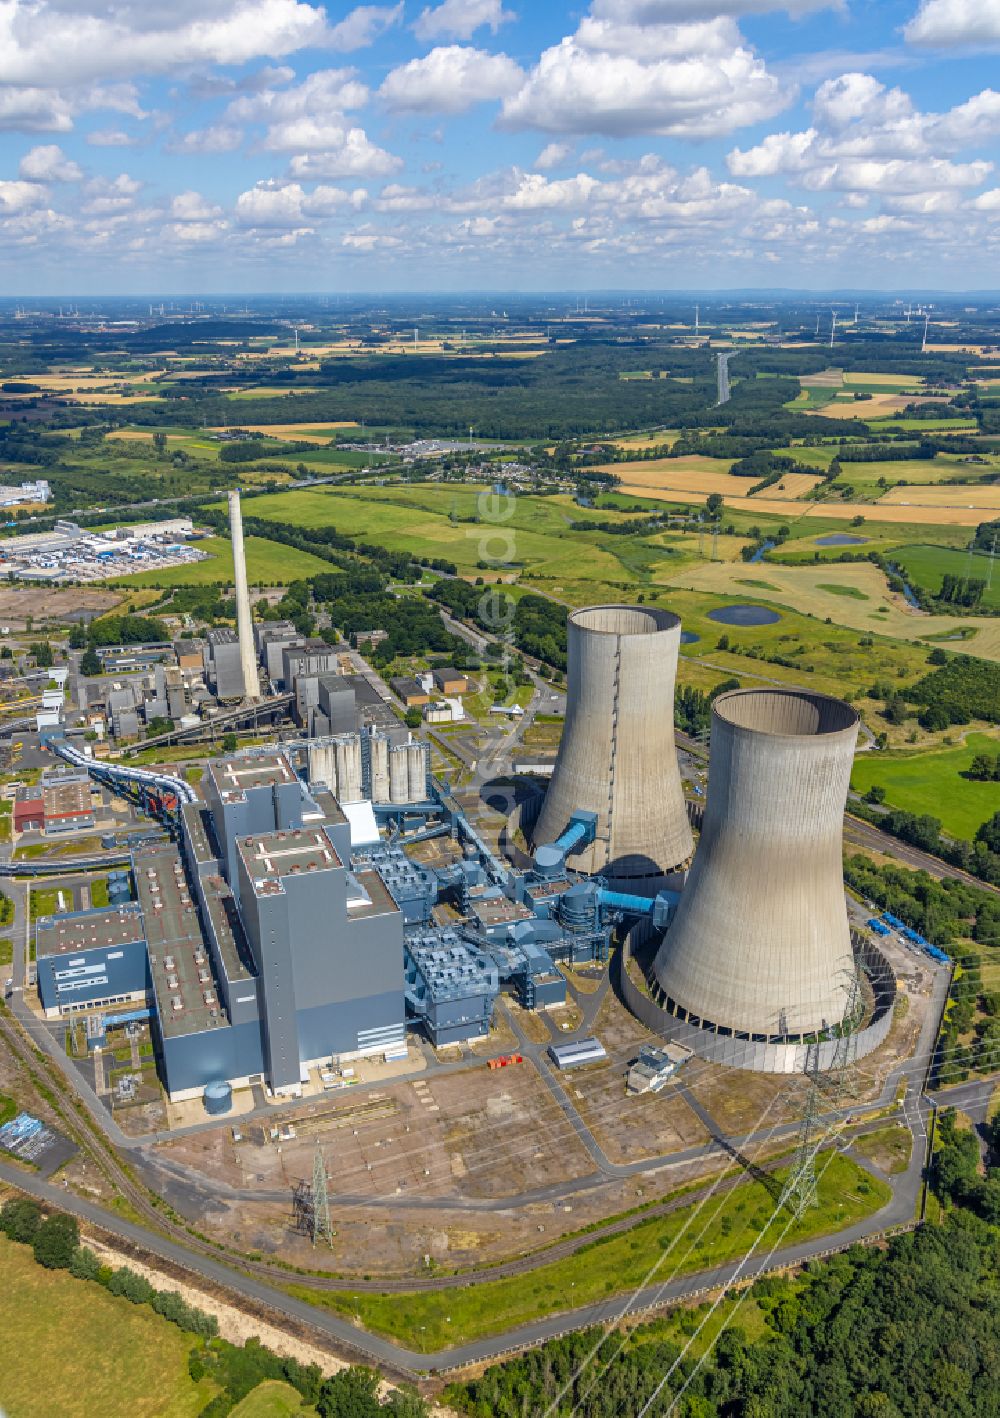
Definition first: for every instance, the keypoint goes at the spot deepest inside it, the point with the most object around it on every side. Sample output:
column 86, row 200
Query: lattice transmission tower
column 800, row 1189
column 321, row 1226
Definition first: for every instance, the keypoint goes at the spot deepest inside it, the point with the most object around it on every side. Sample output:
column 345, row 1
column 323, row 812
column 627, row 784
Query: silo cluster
column 760, row 946
column 617, row 757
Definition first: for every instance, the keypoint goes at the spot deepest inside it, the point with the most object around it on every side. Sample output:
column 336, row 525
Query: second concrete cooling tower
column 617, row 756
column 760, row 944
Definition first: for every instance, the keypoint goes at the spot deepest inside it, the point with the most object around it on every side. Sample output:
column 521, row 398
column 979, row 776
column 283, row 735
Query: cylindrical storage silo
column 399, row 783
column 617, row 756
column 380, row 768
column 322, row 766
column 348, row 754
column 760, row 943
column 218, row 1097
column 416, row 772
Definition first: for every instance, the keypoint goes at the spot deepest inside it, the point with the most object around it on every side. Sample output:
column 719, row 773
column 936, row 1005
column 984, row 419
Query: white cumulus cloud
column 82, row 40
column 450, row 79
column 364, row 25
column 955, row 22
column 459, row 19
column 48, row 163
column 692, row 80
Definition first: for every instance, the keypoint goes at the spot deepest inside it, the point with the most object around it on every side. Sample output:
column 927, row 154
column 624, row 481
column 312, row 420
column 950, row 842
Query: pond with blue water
column 841, row 539
column 688, row 637
column 744, row 615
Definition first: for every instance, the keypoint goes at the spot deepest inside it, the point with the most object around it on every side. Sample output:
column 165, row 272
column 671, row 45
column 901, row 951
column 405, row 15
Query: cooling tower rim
column 663, row 620
column 848, row 717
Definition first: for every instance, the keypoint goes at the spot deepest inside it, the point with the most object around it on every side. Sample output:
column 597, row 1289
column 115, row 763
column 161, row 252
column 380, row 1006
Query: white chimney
column 244, row 623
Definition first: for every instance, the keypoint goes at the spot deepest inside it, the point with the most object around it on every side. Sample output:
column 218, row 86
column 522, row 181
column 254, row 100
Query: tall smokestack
column 244, row 623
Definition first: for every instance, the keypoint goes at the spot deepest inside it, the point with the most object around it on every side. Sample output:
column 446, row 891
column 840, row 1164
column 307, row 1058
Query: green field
column 928, row 565
column 268, row 564
column 930, row 782
column 272, row 1399
column 429, row 1320
column 531, row 534
column 71, row 1350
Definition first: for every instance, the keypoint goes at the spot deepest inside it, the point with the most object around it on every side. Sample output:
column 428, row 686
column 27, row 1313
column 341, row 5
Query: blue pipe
column 634, row 905
column 570, row 836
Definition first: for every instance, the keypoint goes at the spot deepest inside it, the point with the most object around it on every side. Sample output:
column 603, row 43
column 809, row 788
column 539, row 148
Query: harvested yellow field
column 70, row 380
column 145, row 435
column 302, row 432
column 983, row 496
column 825, row 379
column 644, row 440
column 873, row 512
column 696, row 477
column 801, row 588
column 875, row 407
column 893, row 381
column 116, row 399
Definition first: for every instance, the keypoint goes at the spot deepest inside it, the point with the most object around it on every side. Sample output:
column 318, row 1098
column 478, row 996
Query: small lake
column 841, row 539
column 744, row 615
column 688, row 637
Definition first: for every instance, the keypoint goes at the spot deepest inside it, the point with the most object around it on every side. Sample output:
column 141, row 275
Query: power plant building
column 760, row 946
column 617, row 758
column 259, row 946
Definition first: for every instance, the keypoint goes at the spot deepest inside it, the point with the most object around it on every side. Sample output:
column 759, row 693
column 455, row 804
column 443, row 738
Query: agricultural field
column 932, row 782
column 696, row 477
column 72, row 1349
column 981, row 498
column 861, row 601
column 434, row 521
column 927, row 566
column 268, row 564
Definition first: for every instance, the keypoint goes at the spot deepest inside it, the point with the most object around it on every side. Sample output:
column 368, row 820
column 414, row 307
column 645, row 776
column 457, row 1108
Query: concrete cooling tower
column 617, row 757
column 760, row 943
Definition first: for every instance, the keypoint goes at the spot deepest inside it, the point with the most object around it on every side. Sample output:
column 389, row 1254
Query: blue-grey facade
column 88, row 959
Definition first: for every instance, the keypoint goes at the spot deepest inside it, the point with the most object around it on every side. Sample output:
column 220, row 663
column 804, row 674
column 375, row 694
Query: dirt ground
column 51, row 604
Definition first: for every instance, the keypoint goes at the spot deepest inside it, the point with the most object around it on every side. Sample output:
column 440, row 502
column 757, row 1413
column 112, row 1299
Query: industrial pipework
column 760, row 944
column 617, row 759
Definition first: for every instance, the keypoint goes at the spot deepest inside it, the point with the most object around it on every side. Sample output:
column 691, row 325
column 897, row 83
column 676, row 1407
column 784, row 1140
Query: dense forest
column 536, row 625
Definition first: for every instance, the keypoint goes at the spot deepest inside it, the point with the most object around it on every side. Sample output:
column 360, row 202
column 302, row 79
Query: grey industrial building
column 223, row 666
column 257, row 944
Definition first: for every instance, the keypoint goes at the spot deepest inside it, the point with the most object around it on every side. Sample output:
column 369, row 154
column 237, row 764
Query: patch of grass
column 836, row 589
column 930, row 782
column 271, row 1399
column 761, row 585
column 6, row 950
column 45, row 901
column 268, row 564
column 928, row 565
column 99, row 891
column 8, row 1109
column 889, row 1148
column 76, row 1351
column 429, row 1320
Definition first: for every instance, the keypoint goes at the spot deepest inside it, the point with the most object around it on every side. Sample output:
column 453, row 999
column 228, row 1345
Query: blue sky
column 242, row 145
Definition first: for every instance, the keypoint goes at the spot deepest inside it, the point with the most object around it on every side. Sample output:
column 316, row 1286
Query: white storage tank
column 323, row 766
column 380, row 768
column 399, row 783
column 348, row 755
column 416, row 772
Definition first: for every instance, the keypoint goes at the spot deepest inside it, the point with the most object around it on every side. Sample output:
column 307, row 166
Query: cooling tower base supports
column 750, row 1054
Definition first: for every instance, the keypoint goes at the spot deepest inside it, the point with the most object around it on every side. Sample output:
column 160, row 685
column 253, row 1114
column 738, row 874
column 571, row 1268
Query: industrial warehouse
column 291, row 926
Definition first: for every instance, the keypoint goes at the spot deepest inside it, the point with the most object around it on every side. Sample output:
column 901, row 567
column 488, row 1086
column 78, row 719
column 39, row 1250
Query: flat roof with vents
column 271, row 856
column 178, row 953
column 88, row 930
column 233, row 777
